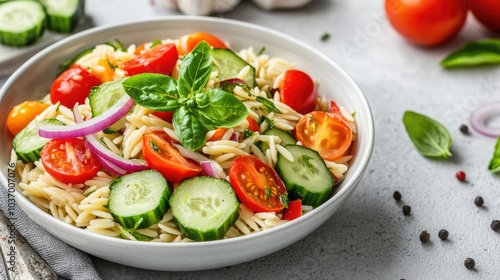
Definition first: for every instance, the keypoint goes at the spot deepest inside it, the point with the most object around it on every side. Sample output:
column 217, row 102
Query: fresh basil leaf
column 430, row 137
column 223, row 110
column 270, row 107
column 153, row 91
column 494, row 165
column 189, row 129
column 474, row 53
column 195, row 70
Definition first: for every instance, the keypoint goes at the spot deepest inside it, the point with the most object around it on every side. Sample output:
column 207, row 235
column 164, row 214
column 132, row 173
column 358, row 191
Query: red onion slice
column 107, row 158
column 481, row 115
column 112, row 115
column 210, row 167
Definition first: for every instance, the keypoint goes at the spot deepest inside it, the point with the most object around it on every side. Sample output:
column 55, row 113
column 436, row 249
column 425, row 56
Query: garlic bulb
column 280, row 4
column 198, row 7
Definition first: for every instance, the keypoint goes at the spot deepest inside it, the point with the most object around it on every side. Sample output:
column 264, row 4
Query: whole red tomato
column 427, row 22
column 487, row 12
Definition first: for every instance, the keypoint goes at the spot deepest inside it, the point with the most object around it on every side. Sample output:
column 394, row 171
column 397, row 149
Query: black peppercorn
column 495, row 225
column 479, row 201
column 406, row 210
column 397, row 196
column 469, row 263
column 464, row 129
column 424, row 236
column 443, row 234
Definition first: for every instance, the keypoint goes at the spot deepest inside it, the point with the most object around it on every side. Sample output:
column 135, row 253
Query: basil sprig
column 494, row 165
column 474, row 53
column 196, row 109
column 430, row 137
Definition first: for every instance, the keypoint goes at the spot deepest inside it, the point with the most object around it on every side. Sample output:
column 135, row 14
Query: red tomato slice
column 252, row 124
column 69, row 160
column 293, row 211
column 218, row 134
column 326, row 133
column 256, row 184
column 72, row 86
column 166, row 116
column 160, row 59
column 298, row 91
column 487, row 12
column 188, row 42
column 427, row 22
column 161, row 155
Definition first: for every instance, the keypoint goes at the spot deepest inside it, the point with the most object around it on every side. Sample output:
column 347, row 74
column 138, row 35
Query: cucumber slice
column 101, row 98
column 65, row 15
column 27, row 143
column 285, row 137
column 22, row 22
column 204, row 208
column 229, row 64
column 307, row 177
column 138, row 200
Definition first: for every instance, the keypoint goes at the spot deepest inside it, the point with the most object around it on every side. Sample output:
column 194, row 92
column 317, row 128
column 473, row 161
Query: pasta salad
column 180, row 140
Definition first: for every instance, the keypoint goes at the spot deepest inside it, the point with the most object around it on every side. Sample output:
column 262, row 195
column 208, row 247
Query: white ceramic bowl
column 33, row 80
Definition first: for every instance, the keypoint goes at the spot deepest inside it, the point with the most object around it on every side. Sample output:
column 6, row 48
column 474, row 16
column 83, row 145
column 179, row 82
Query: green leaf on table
column 494, row 165
column 430, row 137
column 474, row 54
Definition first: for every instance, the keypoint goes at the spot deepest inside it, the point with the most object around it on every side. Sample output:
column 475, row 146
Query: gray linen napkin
column 68, row 262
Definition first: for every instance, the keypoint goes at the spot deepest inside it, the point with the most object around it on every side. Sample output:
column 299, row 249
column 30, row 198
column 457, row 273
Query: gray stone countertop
column 369, row 237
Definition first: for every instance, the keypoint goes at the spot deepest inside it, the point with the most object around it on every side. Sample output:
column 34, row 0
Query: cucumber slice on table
column 229, row 64
column 22, row 22
column 285, row 137
column 101, row 98
column 139, row 199
column 64, row 15
column 204, row 208
column 27, row 143
column 307, row 177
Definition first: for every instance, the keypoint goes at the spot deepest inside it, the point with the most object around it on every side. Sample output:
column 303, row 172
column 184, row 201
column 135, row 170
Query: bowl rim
column 362, row 155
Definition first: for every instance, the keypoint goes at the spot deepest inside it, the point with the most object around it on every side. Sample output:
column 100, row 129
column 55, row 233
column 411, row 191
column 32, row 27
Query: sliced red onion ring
column 481, row 115
column 210, row 167
column 234, row 137
column 112, row 115
column 107, row 158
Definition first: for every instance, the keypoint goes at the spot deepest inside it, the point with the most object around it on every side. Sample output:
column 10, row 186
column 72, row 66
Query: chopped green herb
column 284, row 200
column 265, row 119
column 247, row 133
column 268, row 193
column 270, row 107
column 156, row 42
column 155, row 146
column 325, row 37
column 261, row 51
column 306, row 160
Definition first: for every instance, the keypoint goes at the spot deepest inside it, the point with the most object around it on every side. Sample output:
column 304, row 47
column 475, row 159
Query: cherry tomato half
column 256, row 184
column 22, row 114
column 72, row 86
column 166, row 116
column 252, row 124
column 293, row 211
column 487, row 12
column 160, row 59
column 326, row 133
column 188, row 42
column 161, row 155
column 427, row 22
column 69, row 160
column 298, row 91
